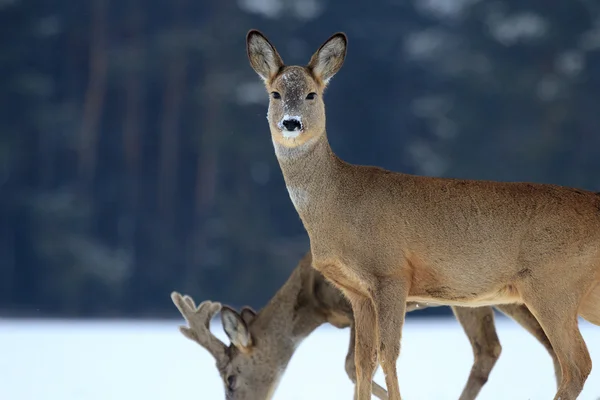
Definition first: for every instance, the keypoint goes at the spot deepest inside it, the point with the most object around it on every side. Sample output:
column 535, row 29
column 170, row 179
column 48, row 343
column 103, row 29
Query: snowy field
column 66, row 360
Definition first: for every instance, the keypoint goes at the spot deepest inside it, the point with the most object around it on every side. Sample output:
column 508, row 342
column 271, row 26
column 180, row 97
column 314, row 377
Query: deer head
column 296, row 108
column 250, row 370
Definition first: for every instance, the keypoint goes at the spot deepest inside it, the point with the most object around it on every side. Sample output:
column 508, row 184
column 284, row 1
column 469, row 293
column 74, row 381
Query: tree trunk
column 169, row 130
column 94, row 97
column 134, row 117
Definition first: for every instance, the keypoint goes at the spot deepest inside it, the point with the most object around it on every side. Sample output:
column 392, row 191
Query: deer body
column 263, row 343
column 385, row 238
column 466, row 243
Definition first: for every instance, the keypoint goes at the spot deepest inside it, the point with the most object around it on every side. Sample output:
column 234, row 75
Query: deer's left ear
column 236, row 329
column 248, row 314
column 263, row 56
column 328, row 60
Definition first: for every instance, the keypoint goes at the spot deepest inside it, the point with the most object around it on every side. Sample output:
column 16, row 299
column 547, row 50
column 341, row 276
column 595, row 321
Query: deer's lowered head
column 249, row 370
column 296, row 108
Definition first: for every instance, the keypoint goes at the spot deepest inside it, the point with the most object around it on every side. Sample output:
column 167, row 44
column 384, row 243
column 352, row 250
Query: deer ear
column 328, row 60
column 247, row 314
column 263, row 57
column 236, row 329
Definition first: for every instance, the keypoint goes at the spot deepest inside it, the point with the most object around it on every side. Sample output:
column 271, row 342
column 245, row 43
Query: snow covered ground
column 132, row 360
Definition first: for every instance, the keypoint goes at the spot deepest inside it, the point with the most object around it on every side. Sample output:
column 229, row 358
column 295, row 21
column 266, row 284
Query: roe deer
column 263, row 343
column 385, row 238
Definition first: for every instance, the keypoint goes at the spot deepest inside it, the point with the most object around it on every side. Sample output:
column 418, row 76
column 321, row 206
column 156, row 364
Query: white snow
column 70, row 360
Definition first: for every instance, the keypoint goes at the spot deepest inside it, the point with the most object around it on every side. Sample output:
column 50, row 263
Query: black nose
column 292, row 125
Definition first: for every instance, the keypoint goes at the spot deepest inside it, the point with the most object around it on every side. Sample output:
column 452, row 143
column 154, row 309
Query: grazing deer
column 385, row 238
column 263, row 343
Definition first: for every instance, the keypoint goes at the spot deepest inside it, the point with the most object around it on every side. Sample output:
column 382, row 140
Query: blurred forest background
column 135, row 158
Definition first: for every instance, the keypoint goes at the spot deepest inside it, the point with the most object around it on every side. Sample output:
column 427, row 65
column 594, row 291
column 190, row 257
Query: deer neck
column 309, row 171
column 290, row 316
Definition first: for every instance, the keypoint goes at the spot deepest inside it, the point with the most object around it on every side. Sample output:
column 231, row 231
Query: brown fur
column 385, row 238
column 303, row 303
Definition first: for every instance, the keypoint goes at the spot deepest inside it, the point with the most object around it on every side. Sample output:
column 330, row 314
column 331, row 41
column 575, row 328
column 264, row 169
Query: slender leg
column 365, row 349
column 478, row 324
column 557, row 314
column 378, row 391
column 525, row 318
column 389, row 300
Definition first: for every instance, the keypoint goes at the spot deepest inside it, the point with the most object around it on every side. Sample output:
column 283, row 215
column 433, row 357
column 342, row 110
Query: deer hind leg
column 590, row 306
column 525, row 318
column 365, row 351
column 378, row 391
column 556, row 311
column 389, row 299
column 478, row 324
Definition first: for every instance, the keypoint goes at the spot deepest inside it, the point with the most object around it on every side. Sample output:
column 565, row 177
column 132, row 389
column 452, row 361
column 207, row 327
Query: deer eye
column 311, row 96
column 275, row 95
column 231, row 382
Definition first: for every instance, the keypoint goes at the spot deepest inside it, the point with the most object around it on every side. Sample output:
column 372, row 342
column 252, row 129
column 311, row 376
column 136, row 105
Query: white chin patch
column 290, row 134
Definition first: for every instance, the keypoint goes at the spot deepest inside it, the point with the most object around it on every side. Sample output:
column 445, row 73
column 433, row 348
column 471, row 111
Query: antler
column 198, row 319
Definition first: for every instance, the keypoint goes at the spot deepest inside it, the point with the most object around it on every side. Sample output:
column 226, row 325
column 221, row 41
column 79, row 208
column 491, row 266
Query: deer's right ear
column 263, row 57
column 236, row 329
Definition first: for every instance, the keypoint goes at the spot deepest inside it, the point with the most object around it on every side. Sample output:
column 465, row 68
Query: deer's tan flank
column 263, row 343
column 385, row 238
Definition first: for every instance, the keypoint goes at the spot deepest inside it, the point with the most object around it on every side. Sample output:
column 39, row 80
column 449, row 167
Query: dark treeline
column 135, row 157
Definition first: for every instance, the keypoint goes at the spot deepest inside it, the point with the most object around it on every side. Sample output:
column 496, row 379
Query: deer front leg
column 478, row 324
column 389, row 299
column 365, row 351
column 378, row 391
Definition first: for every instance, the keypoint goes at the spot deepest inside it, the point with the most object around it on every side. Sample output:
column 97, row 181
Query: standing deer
column 263, row 343
column 385, row 238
